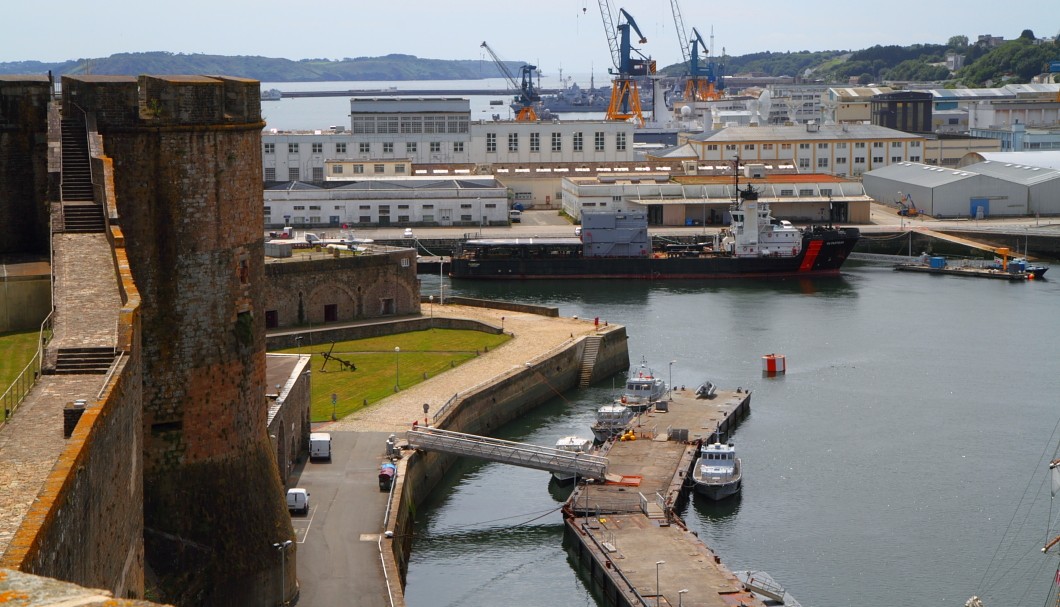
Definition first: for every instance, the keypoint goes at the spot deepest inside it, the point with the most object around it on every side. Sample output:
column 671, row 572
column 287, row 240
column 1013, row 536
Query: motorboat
column 643, row 388
column 572, row 444
column 611, row 420
column 717, row 473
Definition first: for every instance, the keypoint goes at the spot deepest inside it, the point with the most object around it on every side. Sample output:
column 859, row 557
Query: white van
column 320, row 445
column 515, row 216
column 298, row 501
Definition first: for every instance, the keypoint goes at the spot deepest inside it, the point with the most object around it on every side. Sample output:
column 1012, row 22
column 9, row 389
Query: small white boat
column 642, row 388
column 717, row 473
column 611, row 420
column 573, row 444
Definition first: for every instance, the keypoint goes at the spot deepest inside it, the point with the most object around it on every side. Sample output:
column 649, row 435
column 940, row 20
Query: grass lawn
column 423, row 354
column 16, row 350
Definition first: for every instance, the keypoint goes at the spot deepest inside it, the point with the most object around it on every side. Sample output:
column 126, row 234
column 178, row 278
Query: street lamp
column 657, row 595
column 431, row 298
column 282, row 547
column 397, row 368
column 670, row 387
column 681, row 596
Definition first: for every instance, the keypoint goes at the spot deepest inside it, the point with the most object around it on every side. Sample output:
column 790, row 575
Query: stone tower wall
column 187, row 178
column 24, row 163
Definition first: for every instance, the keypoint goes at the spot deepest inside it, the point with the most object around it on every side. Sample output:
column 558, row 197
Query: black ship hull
column 823, row 253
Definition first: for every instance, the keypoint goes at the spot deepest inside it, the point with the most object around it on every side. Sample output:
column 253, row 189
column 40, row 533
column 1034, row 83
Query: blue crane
column 625, row 97
column 704, row 82
column 526, row 96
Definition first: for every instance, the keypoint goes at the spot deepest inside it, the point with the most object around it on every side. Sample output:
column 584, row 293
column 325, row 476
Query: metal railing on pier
column 17, row 391
column 508, row 452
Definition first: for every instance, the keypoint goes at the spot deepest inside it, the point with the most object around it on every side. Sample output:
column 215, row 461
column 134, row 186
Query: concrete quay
column 635, row 549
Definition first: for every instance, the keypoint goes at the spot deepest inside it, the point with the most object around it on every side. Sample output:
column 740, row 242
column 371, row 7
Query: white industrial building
column 985, row 189
column 397, row 201
column 439, row 131
column 705, row 199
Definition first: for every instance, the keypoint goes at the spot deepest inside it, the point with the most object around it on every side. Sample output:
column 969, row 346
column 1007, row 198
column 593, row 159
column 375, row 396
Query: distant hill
column 1014, row 61
column 268, row 69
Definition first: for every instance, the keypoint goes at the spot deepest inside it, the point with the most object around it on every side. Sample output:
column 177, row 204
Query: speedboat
column 611, row 420
column 642, row 388
column 717, row 473
column 573, row 444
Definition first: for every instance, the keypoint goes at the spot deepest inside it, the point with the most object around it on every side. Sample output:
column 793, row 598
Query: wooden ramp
column 956, row 239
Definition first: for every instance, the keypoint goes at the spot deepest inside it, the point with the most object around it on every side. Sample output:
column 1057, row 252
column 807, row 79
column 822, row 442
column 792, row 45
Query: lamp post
column 658, row 596
column 502, row 325
column 282, row 547
column 431, row 298
column 681, row 596
column 670, row 387
column 397, row 368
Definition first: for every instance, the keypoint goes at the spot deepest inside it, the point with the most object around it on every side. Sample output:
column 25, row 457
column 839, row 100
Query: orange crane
column 625, row 96
column 906, row 206
column 526, row 95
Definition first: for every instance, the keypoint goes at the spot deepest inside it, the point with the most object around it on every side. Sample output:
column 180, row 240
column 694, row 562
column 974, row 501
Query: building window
column 299, row 207
column 491, row 143
column 914, row 159
column 365, row 207
column 270, row 148
column 877, row 159
column 841, row 146
column 318, row 173
column 379, row 168
column 436, row 147
column 806, row 192
column 270, row 174
column 787, row 192
column 822, row 163
column 399, row 168
column 314, row 207
column 513, row 142
column 896, row 158
column 822, row 146
column 616, row 199
column 749, row 147
column 896, row 144
column 598, row 141
column 731, row 147
column 358, row 168
column 914, row 144
column 859, row 160
column 340, row 147
column 620, row 142
column 785, row 146
column 712, row 147
column 318, row 148
column 292, row 148
column 804, row 146
column 840, row 160
column 804, row 163
column 410, row 147
column 826, row 191
column 458, row 147
column 557, row 142
column 877, row 145
column 535, row 142
column 363, row 147
column 578, row 142
column 767, row 146
column 388, row 147
column 292, row 173
column 364, row 219
column 859, row 145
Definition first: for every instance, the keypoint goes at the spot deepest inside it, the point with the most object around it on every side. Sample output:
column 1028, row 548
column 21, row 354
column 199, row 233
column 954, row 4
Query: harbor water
column 899, row 461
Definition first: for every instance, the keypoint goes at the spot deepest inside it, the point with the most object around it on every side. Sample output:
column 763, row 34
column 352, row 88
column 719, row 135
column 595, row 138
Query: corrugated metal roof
column 1016, row 173
column 924, row 175
column 1046, row 159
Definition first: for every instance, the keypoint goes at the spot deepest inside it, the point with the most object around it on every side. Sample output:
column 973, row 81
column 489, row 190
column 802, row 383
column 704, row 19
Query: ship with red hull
column 616, row 244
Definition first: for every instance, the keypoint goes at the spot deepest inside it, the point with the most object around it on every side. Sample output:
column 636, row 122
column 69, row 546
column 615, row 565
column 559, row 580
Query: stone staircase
column 83, row 361
column 592, row 349
column 80, row 212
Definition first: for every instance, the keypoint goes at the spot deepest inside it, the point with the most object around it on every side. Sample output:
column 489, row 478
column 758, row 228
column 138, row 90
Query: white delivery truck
column 320, row 445
column 298, row 501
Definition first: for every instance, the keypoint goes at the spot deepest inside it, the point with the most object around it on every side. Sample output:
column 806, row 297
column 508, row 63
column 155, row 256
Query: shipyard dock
column 626, row 534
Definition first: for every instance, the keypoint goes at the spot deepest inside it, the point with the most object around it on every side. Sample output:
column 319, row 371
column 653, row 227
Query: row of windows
column 858, row 145
column 364, row 147
column 410, row 124
column 577, row 142
column 358, row 169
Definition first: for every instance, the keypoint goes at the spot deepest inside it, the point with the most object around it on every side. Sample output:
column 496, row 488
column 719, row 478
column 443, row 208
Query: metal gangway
column 508, row 452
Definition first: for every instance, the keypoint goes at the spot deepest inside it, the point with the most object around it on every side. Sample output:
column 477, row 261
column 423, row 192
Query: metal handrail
column 20, row 387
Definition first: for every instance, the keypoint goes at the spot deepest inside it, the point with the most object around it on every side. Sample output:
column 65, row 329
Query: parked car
column 408, row 232
column 298, row 501
column 578, row 231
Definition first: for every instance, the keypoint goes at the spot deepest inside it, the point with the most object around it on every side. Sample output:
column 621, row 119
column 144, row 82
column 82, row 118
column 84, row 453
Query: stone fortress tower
column 187, row 180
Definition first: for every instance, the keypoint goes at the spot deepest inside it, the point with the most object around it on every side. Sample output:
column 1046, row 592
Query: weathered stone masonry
column 186, row 153
column 24, row 163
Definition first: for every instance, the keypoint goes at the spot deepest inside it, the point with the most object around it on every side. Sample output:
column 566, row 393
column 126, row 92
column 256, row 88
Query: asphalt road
column 338, row 554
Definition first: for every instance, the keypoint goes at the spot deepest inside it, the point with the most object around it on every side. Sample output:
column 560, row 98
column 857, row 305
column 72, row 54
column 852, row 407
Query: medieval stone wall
column 24, row 163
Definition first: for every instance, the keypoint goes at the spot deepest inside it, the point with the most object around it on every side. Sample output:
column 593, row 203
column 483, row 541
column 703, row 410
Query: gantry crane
column 625, row 97
column 525, row 93
column 704, row 82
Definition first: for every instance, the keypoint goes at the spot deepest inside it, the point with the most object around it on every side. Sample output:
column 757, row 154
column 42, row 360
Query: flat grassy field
column 423, row 354
column 16, row 350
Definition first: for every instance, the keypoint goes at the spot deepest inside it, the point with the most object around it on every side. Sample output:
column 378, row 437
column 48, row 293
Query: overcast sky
column 554, row 34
